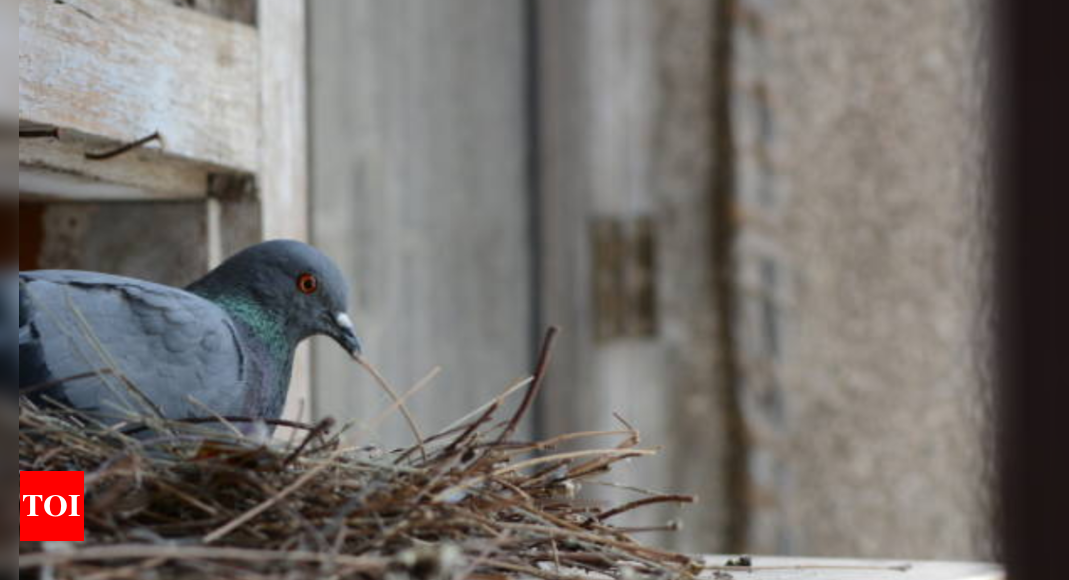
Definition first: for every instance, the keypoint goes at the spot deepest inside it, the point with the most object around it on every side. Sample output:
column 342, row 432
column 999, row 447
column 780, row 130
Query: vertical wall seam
column 533, row 166
column 725, row 232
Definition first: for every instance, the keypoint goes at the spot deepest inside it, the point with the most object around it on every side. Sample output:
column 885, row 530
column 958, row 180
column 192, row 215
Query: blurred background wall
column 860, row 248
column 419, row 163
column 761, row 224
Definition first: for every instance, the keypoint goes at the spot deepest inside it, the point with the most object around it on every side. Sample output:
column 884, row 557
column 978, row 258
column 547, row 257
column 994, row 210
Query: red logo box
column 52, row 506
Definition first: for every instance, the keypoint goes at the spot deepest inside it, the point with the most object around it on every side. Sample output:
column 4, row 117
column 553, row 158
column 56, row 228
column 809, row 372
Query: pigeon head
column 285, row 291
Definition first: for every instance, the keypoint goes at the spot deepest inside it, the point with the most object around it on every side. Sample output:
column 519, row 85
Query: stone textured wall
column 859, row 170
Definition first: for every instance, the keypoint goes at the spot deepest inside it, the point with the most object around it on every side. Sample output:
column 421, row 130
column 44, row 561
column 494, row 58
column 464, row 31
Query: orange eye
column 307, row 283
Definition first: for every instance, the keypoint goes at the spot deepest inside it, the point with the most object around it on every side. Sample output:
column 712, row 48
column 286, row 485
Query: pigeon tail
column 30, row 369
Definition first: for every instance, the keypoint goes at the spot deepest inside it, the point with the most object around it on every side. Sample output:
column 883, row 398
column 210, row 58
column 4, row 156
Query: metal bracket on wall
column 624, row 269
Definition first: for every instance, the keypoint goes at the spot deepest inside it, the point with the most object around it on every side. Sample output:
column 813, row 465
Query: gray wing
column 170, row 344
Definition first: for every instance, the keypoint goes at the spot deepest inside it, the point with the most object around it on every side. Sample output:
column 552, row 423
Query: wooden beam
column 57, row 169
column 283, row 160
column 119, row 71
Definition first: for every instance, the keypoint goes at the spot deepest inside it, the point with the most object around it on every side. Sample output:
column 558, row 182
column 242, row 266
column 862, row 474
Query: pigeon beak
column 346, row 336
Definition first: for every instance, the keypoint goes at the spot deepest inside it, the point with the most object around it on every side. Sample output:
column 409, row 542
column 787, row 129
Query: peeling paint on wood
column 122, row 70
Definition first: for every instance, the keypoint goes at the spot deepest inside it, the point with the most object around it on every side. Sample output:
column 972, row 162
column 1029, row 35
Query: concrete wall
column 419, row 152
column 626, row 93
column 860, row 262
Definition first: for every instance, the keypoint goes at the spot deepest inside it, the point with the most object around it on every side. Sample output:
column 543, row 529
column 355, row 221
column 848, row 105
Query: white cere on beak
column 344, row 321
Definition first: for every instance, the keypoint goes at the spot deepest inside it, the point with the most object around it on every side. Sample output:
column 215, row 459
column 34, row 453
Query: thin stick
column 103, row 353
column 645, row 502
column 323, row 427
column 472, row 428
column 399, row 403
column 667, row 528
column 630, row 488
column 488, row 409
column 230, row 419
column 370, row 368
column 140, row 551
column 556, row 441
column 196, row 403
column 134, row 571
column 242, row 519
column 573, row 455
column 859, row 568
column 124, row 148
column 52, row 132
column 187, row 498
column 24, row 391
column 620, row 453
column 541, row 368
column 495, row 401
column 598, row 540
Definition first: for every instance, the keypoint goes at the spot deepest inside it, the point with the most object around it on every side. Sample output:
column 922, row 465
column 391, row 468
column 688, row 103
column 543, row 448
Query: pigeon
column 115, row 346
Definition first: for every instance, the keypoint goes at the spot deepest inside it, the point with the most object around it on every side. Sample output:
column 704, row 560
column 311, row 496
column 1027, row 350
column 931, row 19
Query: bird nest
column 178, row 499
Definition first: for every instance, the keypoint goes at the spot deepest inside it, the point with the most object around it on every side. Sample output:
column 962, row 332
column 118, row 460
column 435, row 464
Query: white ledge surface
column 785, row 568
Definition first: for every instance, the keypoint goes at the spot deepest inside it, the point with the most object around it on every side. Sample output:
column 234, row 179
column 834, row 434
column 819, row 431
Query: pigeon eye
column 307, row 283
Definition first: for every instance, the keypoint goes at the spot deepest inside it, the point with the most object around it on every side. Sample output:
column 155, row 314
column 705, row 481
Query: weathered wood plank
column 283, row 156
column 123, row 70
column 418, row 169
column 283, row 161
